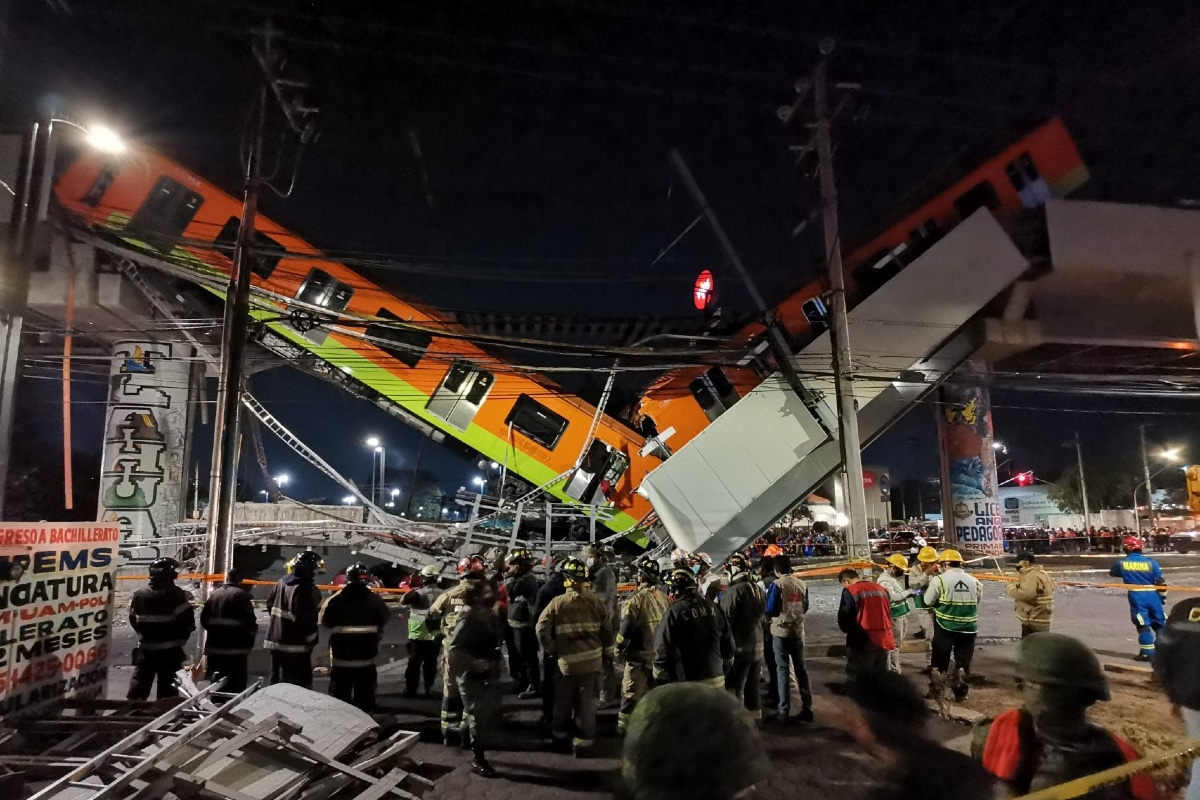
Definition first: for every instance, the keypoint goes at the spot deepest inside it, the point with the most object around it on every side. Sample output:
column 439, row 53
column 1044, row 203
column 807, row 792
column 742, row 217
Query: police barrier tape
column 1180, row 756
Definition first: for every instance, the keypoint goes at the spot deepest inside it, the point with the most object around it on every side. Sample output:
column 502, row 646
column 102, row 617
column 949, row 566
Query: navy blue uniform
column 1143, row 576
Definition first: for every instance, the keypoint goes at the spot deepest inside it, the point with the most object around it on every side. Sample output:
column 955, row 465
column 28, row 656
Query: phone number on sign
column 49, row 667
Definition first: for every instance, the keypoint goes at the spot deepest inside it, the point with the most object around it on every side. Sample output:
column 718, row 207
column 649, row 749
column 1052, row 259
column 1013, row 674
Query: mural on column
column 974, row 521
column 142, row 487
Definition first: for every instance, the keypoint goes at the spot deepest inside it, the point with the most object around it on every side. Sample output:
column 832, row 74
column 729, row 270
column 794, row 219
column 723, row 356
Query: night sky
column 544, row 129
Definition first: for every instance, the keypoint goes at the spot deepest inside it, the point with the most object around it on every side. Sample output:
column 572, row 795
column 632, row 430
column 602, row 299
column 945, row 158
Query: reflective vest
column 293, row 605
column 873, row 613
column 954, row 597
column 895, row 588
column 162, row 616
column 228, row 618
column 355, row 617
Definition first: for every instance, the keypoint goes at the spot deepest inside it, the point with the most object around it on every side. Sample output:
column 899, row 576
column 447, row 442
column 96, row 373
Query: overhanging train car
column 409, row 354
column 1043, row 164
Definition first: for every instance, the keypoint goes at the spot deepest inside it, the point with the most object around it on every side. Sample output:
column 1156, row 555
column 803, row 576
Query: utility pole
column 227, row 427
column 1149, row 489
column 1087, row 514
column 843, row 365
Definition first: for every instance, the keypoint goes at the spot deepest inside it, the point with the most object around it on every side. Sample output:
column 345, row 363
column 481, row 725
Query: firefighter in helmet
column 635, row 638
column 355, row 617
column 162, row 616
column 294, row 605
column 442, row 618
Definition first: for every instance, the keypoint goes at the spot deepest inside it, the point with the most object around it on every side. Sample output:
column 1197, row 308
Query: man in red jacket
column 865, row 616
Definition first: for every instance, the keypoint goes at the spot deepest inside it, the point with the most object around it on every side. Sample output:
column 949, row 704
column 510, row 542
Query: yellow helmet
column 898, row 561
column 950, row 554
column 927, row 555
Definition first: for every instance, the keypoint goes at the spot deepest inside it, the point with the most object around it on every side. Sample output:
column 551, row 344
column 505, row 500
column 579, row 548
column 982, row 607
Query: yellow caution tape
column 1188, row 752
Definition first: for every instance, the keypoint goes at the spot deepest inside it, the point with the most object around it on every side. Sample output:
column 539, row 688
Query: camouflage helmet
column 1052, row 659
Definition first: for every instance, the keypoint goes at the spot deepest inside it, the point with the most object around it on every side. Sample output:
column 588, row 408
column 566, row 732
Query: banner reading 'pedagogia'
column 56, row 595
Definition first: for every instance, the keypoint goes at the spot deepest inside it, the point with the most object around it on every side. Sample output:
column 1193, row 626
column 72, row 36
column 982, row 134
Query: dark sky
column 545, row 128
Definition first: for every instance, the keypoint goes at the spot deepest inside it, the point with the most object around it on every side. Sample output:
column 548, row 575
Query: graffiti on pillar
column 142, row 482
column 970, row 466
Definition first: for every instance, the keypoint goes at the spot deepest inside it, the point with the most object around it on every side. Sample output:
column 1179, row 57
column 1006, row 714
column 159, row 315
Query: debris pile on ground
column 280, row 742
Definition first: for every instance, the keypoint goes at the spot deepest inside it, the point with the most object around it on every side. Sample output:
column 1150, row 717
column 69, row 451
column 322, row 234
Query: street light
column 282, row 480
column 1171, row 455
column 381, row 465
column 266, row 494
column 349, row 500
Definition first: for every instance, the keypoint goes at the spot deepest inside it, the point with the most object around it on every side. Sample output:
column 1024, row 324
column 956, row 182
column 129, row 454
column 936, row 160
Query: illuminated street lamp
column 282, row 480
column 378, row 466
column 349, row 500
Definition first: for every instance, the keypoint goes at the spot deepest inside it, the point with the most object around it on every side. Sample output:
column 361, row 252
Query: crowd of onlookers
column 1069, row 540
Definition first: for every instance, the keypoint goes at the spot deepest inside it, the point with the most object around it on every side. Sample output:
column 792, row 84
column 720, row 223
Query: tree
column 1110, row 485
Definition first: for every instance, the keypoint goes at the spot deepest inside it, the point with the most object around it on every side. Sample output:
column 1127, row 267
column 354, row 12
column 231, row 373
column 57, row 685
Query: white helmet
column 919, row 541
column 679, row 554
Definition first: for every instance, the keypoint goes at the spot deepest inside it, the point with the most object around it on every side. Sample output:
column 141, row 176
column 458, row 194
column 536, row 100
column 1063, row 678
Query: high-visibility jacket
column 640, row 618
column 918, row 581
column 293, row 605
column 418, row 601
column 577, row 630
column 865, row 616
column 228, row 618
column 954, row 597
column 693, row 642
column 744, row 604
column 522, row 590
column 355, row 617
column 1034, row 596
column 162, row 617
column 1013, row 754
column 898, row 593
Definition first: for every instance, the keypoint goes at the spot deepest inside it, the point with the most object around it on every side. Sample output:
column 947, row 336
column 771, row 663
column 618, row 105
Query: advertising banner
column 56, row 598
column 973, row 520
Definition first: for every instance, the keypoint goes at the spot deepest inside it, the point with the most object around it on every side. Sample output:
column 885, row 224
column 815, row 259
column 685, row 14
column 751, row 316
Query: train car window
column 409, row 344
column 536, row 421
column 165, row 214
column 266, row 253
column 461, row 394
column 981, row 195
column 100, row 186
column 322, row 289
column 721, row 385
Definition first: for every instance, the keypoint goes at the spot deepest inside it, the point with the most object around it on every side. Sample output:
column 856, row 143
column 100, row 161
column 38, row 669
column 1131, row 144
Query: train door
column 1030, row 185
column 324, row 291
column 460, row 395
column 164, row 215
column 597, row 474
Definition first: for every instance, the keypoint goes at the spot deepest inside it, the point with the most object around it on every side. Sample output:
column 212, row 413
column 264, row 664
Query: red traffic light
column 702, row 292
column 1024, row 478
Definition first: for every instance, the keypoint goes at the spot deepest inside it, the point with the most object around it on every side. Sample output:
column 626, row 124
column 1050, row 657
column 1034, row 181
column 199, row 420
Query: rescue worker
column 521, row 587
column 787, row 603
column 475, row 652
column 766, row 577
column 1177, row 663
column 356, row 617
column 864, row 615
column 1050, row 740
column 744, row 604
column 954, row 597
column 708, row 580
column 687, row 741
column 604, row 585
column 640, row 617
column 577, row 630
column 442, row 618
column 1034, row 595
column 163, row 618
column 554, row 586
column 422, row 642
column 681, row 559
column 230, row 627
column 1144, row 578
column 919, row 573
column 894, row 579
column 693, row 642
column 294, row 605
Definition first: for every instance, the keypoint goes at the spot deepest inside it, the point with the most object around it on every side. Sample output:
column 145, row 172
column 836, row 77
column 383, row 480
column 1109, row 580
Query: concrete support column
column 970, row 497
column 142, row 486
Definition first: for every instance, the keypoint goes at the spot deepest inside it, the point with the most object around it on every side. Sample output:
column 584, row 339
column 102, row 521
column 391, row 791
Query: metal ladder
column 111, row 771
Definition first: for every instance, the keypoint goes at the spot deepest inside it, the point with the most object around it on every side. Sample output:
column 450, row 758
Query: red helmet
column 469, row 564
column 1132, row 543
